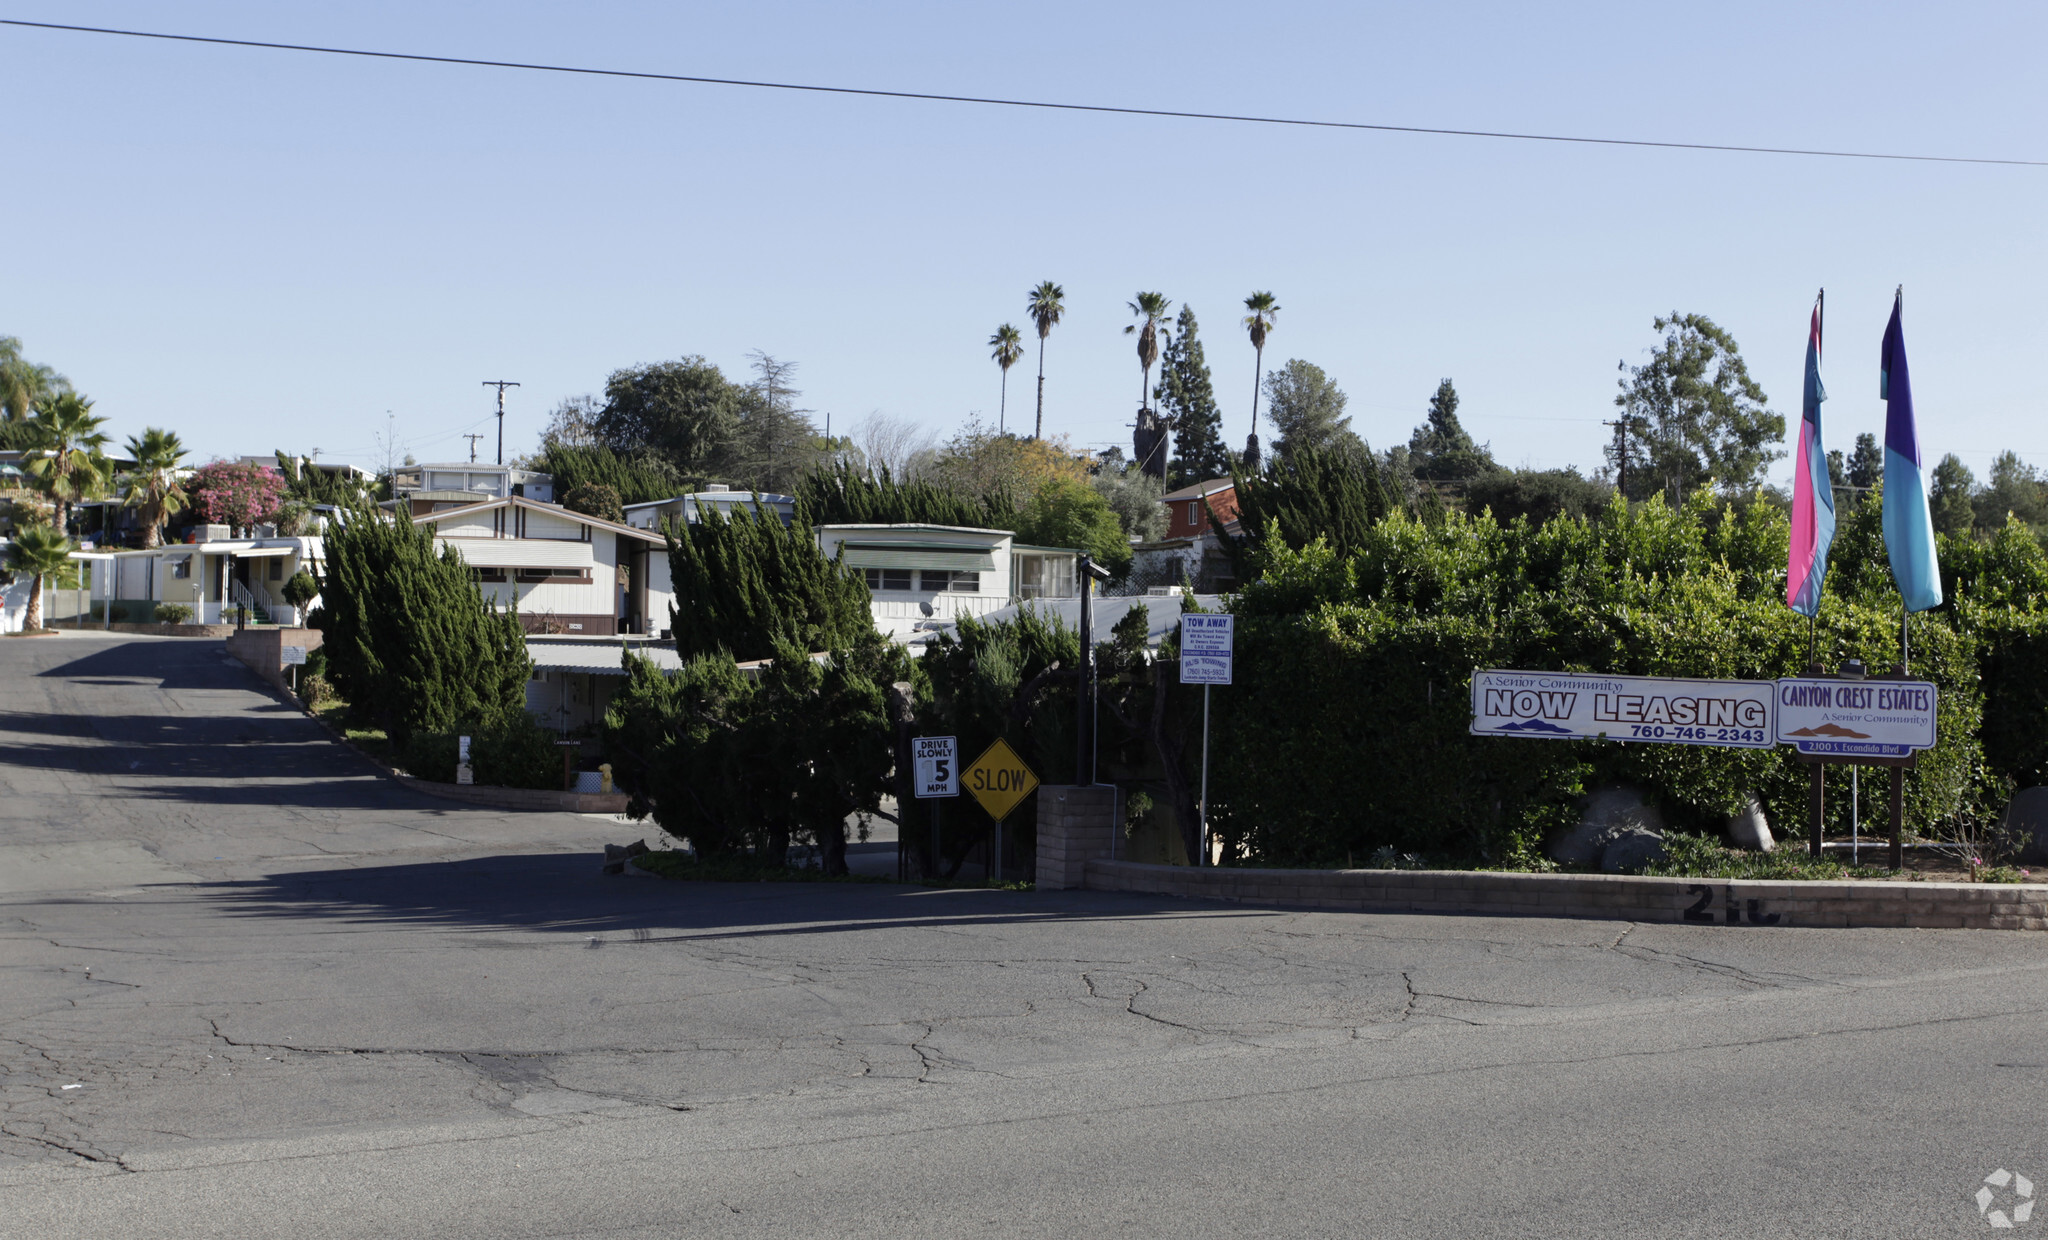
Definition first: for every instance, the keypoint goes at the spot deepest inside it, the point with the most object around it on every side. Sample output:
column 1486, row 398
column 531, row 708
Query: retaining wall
column 1618, row 897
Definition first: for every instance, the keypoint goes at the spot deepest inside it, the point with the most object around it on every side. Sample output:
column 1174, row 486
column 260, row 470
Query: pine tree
column 409, row 638
column 1440, row 449
column 1190, row 401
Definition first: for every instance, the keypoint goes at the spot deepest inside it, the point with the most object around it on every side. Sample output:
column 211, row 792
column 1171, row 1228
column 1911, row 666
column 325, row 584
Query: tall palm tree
column 1258, row 323
column 1044, row 304
column 40, row 550
column 1007, row 346
column 154, row 486
column 68, row 456
column 24, row 385
column 1151, row 310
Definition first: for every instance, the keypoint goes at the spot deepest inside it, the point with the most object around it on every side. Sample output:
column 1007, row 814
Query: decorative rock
column 1607, row 813
column 1632, row 851
column 616, row 855
column 2026, row 819
column 1751, row 829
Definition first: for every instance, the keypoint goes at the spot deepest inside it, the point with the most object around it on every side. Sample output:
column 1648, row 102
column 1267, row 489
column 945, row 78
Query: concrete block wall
column 1613, row 897
column 263, row 649
column 1076, row 827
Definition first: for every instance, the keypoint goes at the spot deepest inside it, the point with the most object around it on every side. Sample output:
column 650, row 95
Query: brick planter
column 1617, row 897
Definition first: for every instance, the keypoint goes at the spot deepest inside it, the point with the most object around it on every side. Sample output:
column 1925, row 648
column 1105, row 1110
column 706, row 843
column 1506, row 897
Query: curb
column 1604, row 897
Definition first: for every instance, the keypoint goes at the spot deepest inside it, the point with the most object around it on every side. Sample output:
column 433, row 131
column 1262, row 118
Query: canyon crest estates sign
column 1656, row 709
column 1856, row 718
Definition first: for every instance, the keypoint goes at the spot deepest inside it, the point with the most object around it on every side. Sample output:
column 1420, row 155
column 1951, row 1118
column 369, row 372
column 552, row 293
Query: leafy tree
column 155, row 485
column 842, row 495
column 1538, row 494
column 1066, row 513
column 1838, row 480
column 41, row 551
column 1693, row 414
column 236, row 495
column 1308, row 410
column 306, row 483
column 2014, row 488
column 1259, row 323
column 410, row 640
column 1149, row 438
column 1440, row 449
column 595, row 499
column 1133, row 495
column 1045, row 305
column 1190, row 401
column 1000, row 470
column 687, row 411
column 25, row 386
column 1866, row 463
column 1006, row 346
column 744, row 583
column 1949, row 497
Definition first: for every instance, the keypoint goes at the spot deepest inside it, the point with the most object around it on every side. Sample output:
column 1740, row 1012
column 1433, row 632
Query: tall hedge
column 843, row 495
column 744, row 582
column 410, row 640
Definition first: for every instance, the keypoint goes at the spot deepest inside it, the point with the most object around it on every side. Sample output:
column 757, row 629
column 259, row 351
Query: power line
column 1027, row 103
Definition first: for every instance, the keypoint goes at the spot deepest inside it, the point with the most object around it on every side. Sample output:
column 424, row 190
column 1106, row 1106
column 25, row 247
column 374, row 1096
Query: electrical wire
column 1043, row 104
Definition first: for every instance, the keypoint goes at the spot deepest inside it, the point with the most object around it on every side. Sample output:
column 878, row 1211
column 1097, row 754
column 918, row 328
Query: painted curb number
column 1701, row 909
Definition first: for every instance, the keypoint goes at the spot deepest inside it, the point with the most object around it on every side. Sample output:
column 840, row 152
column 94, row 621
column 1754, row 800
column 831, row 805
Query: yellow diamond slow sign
column 999, row 779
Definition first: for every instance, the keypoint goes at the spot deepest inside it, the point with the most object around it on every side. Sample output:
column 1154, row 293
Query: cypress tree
column 1190, row 399
column 410, row 640
column 745, row 582
column 1310, row 493
column 843, row 495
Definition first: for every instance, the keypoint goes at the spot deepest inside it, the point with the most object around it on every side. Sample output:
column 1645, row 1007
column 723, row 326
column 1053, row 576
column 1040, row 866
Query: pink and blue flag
column 1813, row 494
column 1908, row 523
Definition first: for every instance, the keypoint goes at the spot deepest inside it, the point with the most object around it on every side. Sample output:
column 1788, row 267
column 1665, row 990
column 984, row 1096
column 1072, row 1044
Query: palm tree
column 153, row 486
column 1007, row 345
column 1151, row 308
column 1258, row 322
column 1044, row 304
column 40, row 550
column 68, row 455
column 23, row 384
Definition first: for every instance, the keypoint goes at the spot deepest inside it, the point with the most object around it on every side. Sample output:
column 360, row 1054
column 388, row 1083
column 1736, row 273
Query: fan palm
column 1006, row 346
column 68, row 456
column 1044, row 304
column 24, row 385
column 153, row 486
column 39, row 550
column 1260, row 321
column 1151, row 310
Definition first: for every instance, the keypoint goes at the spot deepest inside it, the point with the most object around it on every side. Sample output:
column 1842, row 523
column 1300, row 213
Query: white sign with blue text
column 1856, row 718
column 1207, row 648
column 1658, row 709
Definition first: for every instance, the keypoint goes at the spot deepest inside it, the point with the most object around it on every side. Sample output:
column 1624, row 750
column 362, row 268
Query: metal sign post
column 1207, row 651
column 999, row 780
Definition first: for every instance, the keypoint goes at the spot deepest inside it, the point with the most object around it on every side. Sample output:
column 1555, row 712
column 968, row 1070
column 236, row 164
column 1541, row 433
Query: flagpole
column 1905, row 616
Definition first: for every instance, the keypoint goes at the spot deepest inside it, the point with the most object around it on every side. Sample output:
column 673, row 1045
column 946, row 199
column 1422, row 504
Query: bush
column 430, row 755
column 301, row 589
column 315, row 690
column 519, row 754
column 173, row 613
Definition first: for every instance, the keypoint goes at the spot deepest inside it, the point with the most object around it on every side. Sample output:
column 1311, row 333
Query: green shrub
column 301, row 589
column 173, row 613
column 430, row 755
column 518, row 754
column 315, row 690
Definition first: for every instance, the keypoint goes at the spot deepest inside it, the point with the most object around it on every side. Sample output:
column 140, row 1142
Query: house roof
column 912, row 526
column 1199, row 490
column 597, row 658
column 534, row 505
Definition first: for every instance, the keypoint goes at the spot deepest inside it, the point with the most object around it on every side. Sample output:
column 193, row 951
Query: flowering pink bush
column 230, row 493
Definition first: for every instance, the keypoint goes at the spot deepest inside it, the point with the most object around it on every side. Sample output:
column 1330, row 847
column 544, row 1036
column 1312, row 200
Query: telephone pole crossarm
column 501, row 385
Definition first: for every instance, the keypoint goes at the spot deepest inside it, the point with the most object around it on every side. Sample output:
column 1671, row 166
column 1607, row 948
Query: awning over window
column 915, row 555
column 257, row 553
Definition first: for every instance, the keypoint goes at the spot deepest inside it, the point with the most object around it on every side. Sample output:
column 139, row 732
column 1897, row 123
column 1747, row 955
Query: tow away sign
column 1207, row 648
column 1657, row 709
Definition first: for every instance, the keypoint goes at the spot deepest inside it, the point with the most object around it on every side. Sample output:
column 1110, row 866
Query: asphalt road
column 250, row 989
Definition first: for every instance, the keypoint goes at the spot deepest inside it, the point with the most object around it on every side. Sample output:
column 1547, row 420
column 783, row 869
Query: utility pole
column 1620, row 426
column 472, row 445
column 501, row 385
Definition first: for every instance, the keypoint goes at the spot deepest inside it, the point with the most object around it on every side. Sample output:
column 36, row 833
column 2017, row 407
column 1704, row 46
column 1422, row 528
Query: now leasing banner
column 1657, row 709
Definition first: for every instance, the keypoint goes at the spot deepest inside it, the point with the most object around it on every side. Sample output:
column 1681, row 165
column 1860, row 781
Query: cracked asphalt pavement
column 253, row 989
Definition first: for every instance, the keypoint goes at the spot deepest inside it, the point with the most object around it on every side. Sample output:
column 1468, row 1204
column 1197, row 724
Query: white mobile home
column 923, row 577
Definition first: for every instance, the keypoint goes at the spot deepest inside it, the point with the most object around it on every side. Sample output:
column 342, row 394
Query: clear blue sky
column 270, row 249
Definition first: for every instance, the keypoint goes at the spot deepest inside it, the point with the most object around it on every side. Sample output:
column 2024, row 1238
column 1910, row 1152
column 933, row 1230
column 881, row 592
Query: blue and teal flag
column 1908, row 524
